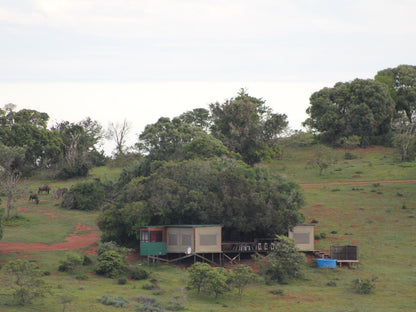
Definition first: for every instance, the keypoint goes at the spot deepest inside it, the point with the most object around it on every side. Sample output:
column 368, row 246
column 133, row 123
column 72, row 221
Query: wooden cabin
column 304, row 236
column 180, row 239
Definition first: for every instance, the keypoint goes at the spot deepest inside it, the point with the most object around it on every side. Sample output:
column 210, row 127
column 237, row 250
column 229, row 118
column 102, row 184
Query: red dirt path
column 74, row 241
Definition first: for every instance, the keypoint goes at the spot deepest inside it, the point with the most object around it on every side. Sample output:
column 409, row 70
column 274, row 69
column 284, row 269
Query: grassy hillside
column 368, row 201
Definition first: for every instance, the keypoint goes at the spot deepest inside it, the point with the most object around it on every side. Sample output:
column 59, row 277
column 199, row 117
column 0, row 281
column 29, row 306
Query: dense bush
column 111, row 264
column 72, row 172
column 84, row 196
column 138, row 273
column 71, row 262
column 111, row 246
column 118, row 301
column 122, row 281
column 284, row 262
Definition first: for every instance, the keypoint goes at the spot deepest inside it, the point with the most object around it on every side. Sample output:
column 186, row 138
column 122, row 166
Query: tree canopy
column 28, row 128
column 249, row 202
column 362, row 107
column 401, row 81
column 247, row 126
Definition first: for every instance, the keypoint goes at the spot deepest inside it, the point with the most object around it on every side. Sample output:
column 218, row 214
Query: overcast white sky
column 143, row 59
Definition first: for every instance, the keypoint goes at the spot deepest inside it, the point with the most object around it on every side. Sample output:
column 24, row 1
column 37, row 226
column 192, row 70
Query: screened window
column 207, row 239
column 186, row 240
column 172, row 239
column 301, row 238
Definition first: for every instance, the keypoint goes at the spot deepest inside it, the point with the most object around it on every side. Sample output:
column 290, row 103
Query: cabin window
column 301, row 238
column 156, row 236
column 172, row 239
column 186, row 240
column 207, row 239
column 144, row 236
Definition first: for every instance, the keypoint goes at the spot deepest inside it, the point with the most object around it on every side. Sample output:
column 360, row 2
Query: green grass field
column 371, row 208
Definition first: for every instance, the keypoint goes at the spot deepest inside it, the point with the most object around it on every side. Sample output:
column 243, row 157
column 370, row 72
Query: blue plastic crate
column 327, row 263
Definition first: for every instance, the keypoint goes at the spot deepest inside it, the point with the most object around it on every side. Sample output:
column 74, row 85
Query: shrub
column 118, row 301
column 350, row 156
column 147, row 286
column 284, row 262
column 138, row 274
column 364, row 287
column 79, row 170
column 84, row 196
column 158, row 292
column 320, row 236
column 279, row 292
column 82, row 276
column 111, row 246
column 87, row 260
column 70, row 263
column 122, row 281
column 331, row 284
column 149, row 304
column 111, row 264
column 174, row 306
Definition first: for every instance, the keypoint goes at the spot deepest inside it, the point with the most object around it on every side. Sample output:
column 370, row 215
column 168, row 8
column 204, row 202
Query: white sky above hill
column 143, row 59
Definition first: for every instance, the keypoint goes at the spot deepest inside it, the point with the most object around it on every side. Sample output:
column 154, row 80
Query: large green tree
column 247, row 126
column 28, row 128
column 175, row 140
column 249, row 202
column 401, row 81
column 361, row 107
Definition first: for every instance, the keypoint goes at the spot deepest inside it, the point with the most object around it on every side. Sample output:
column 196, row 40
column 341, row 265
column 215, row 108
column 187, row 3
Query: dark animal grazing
column 34, row 197
column 44, row 188
column 59, row 193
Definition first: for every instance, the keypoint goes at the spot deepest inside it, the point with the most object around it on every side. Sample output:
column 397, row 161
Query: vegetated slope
column 377, row 216
column 369, row 202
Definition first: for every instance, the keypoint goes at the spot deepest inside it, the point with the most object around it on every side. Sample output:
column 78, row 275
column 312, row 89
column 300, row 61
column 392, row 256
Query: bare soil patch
column 82, row 237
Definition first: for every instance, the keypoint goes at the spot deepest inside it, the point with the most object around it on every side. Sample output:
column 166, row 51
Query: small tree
column 218, row 281
column 118, row 133
column 199, row 274
column 242, row 276
column 350, row 142
column 284, row 262
column 11, row 182
column 405, row 132
column 323, row 157
column 24, row 278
